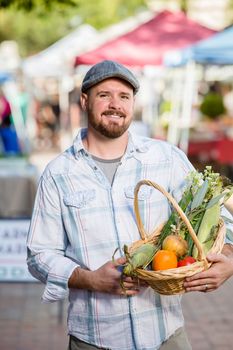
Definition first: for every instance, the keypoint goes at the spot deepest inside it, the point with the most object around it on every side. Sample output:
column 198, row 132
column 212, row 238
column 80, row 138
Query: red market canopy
column 148, row 43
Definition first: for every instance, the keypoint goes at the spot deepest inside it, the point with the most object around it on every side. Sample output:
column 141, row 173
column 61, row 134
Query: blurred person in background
column 5, row 111
column 84, row 210
column 48, row 124
column 75, row 110
column 9, row 143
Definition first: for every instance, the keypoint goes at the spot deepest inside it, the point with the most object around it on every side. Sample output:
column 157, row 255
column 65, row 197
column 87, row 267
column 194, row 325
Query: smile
column 114, row 115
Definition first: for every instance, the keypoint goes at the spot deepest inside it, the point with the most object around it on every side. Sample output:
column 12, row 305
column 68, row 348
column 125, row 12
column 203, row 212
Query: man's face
column 109, row 106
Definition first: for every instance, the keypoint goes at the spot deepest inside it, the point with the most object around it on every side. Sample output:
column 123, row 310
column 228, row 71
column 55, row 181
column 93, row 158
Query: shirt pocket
column 80, row 199
column 143, row 194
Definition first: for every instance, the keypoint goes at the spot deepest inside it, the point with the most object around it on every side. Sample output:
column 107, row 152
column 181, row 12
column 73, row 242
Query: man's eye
column 125, row 97
column 103, row 95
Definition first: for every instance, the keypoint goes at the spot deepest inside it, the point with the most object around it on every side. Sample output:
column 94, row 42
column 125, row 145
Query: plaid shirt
column 79, row 219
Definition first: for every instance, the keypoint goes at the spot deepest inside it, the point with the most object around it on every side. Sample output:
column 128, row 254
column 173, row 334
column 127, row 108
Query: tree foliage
column 29, row 5
column 36, row 24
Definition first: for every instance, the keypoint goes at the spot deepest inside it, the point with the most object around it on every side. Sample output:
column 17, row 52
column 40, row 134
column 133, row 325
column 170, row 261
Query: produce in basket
column 188, row 260
column 164, row 259
column 140, row 257
column 196, row 220
column 176, row 244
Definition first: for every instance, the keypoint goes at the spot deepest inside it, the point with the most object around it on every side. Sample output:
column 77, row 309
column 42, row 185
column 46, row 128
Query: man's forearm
column 81, row 279
column 228, row 250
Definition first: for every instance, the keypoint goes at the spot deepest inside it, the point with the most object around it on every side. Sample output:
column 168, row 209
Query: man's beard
column 111, row 130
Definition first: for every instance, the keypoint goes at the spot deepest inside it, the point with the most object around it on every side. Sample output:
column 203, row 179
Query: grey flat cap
column 108, row 69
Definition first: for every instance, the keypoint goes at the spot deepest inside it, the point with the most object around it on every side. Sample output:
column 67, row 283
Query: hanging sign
column 13, row 251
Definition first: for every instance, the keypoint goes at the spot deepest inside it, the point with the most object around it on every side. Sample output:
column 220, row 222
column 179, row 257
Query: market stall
column 18, row 183
column 148, row 42
column 211, row 140
column 216, row 50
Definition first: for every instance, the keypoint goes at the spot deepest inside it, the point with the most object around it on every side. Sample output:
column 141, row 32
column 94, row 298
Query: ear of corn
column 200, row 195
column 174, row 217
column 141, row 257
column 208, row 225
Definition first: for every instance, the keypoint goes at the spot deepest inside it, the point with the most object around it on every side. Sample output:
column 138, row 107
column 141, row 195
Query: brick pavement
column 209, row 318
column 27, row 324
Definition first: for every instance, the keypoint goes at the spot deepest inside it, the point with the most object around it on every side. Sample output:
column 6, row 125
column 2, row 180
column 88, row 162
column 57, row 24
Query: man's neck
column 105, row 148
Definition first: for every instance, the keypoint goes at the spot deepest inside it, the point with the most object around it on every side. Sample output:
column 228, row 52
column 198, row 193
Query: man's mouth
column 114, row 114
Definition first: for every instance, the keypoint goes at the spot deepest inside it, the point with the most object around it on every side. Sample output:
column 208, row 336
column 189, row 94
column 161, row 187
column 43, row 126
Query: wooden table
column 18, row 184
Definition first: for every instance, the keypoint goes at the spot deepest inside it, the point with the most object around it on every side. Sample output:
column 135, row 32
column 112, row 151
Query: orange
column 164, row 259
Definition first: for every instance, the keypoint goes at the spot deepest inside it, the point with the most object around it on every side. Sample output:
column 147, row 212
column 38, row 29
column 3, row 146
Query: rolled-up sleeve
column 47, row 242
column 229, row 226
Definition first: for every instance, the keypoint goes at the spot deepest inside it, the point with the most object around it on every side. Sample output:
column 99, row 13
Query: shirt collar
column 78, row 146
column 135, row 143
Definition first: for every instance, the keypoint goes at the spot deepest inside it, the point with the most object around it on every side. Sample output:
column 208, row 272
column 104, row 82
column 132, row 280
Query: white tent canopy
column 57, row 58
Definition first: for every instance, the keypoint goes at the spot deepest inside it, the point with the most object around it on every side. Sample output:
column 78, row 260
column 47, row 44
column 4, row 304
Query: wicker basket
column 170, row 281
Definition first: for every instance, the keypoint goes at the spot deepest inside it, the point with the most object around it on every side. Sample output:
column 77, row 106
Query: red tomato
column 188, row 260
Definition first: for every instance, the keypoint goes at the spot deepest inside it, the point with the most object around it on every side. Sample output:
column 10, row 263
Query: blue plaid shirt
column 79, row 219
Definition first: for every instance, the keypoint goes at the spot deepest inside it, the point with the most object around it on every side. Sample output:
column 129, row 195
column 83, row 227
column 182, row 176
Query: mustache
column 113, row 111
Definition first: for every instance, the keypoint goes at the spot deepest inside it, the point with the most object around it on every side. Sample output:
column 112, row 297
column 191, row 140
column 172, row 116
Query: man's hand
column 106, row 279
column 211, row 279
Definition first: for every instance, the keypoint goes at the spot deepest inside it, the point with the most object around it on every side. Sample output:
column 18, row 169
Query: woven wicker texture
column 169, row 282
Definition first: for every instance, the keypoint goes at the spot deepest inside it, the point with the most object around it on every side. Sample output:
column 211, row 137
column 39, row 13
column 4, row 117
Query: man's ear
column 83, row 101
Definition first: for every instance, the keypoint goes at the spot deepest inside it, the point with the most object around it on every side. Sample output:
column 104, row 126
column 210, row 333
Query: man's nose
column 114, row 102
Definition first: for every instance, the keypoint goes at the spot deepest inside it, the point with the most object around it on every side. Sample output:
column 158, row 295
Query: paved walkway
column 209, row 318
column 27, row 324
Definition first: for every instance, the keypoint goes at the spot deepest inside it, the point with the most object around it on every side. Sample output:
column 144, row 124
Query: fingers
column 130, row 283
column 215, row 258
column 201, row 282
column 213, row 277
column 119, row 264
column 197, row 277
column 200, row 286
column 134, row 280
column 122, row 284
column 129, row 289
column 207, row 274
column 131, row 286
column 120, row 261
column 128, row 292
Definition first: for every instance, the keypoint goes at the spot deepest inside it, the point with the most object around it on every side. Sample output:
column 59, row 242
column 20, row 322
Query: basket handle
column 201, row 255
